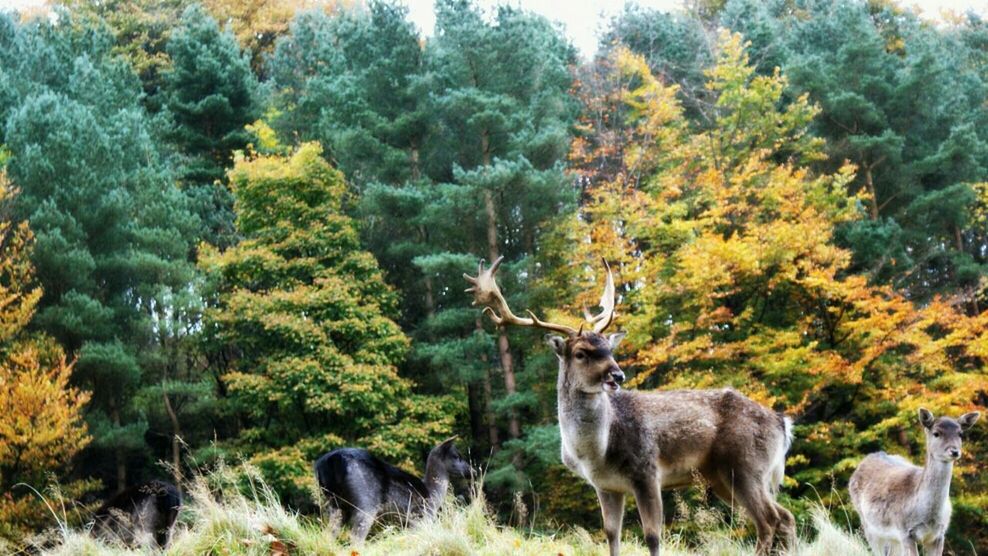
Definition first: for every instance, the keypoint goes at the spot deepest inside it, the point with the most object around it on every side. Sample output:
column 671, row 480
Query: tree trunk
column 504, row 347
column 414, row 161
column 430, row 300
column 487, row 393
column 959, row 245
column 492, row 433
column 176, row 440
column 871, row 189
column 119, row 454
column 475, row 407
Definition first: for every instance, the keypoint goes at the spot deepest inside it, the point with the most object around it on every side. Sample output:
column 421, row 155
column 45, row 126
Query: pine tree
column 503, row 117
column 462, row 142
column 309, row 316
column 909, row 118
column 676, row 45
column 354, row 82
column 112, row 231
column 212, row 95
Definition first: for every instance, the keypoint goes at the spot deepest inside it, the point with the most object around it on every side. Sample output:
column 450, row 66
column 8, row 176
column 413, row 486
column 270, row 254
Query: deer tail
column 778, row 473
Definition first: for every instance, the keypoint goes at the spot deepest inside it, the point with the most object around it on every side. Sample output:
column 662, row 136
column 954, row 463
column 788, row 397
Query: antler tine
column 606, row 316
column 551, row 325
column 487, row 293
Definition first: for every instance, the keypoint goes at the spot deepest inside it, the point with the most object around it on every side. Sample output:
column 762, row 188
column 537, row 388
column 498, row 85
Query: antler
column 487, row 293
column 606, row 315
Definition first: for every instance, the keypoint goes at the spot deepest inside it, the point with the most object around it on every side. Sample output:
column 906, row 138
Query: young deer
column 629, row 442
column 902, row 505
column 358, row 486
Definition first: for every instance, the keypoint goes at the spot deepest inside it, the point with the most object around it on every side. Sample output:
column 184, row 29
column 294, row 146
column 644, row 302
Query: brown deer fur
column 630, row 442
column 641, row 442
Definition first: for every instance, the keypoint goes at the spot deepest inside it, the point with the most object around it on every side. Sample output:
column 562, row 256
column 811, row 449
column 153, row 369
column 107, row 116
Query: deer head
column 447, row 458
column 944, row 435
column 586, row 357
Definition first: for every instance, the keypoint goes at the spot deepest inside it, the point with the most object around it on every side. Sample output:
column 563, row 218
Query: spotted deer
column 902, row 505
column 634, row 442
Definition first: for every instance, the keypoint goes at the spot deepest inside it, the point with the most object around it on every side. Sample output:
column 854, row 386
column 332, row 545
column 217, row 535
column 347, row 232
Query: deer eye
column 936, row 435
column 580, row 356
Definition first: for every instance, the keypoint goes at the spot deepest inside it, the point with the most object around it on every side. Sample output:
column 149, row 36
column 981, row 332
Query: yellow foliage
column 41, row 424
column 17, row 298
column 257, row 23
column 729, row 273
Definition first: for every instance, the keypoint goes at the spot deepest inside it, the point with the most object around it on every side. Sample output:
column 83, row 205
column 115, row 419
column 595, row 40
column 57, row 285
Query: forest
column 234, row 235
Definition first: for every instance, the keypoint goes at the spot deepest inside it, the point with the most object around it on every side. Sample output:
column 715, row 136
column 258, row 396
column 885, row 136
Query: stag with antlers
column 634, row 442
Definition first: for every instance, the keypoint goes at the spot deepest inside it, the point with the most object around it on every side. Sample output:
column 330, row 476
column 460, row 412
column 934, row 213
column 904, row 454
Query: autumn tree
column 310, row 319
column 258, row 24
column 901, row 99
column 41, row 425
column 731, row 276
column 140, row 30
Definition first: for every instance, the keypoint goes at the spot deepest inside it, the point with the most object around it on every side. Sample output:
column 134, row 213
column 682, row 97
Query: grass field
column 217, row 521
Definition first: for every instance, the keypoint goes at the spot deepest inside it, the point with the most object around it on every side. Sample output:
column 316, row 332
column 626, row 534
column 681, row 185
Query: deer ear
column 450, row 440
column 445, row 444
column 557, row 343
column 926, row 417
column 969, row 419
column 615, row 339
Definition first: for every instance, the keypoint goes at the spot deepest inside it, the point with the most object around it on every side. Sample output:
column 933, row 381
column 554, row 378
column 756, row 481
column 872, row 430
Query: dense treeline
column 237, row 232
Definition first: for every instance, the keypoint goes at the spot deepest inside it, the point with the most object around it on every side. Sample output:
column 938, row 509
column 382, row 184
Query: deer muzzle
column 613, row 379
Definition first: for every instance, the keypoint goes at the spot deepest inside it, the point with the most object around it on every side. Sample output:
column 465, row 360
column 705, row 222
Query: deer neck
column 934, row 484
column 436, row 484
column 584, row 418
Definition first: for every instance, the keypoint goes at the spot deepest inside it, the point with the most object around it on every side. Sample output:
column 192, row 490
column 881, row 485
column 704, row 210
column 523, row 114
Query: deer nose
column 954, row 453
column 617, row 375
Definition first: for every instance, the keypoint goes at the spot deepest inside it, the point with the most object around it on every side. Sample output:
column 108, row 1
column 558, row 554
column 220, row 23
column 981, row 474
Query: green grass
column 218, row 521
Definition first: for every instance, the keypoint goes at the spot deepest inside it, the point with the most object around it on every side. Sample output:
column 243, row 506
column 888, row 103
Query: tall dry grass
column 222, row 520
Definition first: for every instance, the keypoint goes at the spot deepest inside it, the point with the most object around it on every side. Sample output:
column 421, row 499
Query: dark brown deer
column 359, row 486
column 633, row 442
column 140, row 515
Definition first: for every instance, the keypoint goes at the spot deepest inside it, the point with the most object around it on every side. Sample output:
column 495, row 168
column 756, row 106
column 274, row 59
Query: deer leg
column 762, row 511
column 360, row 524
column 909, row 547
column 785, row 522
column 648, row 497
column 785, row 527
column 612, row 510
column 334, row 516
column 877, row 546
column 934, row 548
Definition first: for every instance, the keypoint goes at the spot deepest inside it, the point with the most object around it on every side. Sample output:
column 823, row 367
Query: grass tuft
column 218, row 519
